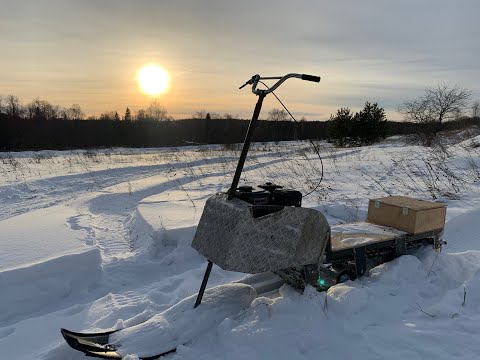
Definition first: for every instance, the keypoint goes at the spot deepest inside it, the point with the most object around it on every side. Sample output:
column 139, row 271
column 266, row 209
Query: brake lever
column 249, row 82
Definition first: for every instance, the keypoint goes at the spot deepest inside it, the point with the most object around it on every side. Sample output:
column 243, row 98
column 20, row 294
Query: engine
column 269, row 194
column 269, row 198
column 260, row 229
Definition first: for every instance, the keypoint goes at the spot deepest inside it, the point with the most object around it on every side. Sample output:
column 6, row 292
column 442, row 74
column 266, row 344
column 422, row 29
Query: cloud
column 362, row 49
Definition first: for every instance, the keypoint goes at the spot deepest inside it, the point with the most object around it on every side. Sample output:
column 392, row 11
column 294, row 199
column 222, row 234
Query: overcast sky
column 88, row 51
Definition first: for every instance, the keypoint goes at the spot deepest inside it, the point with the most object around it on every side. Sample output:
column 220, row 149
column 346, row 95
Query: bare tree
column 277, row 115
column 109, row 115
column 155, row 111
column 141, row 115
column 12, row 106
column 42, row 109
column 207, row 115
column 34, row 108
column 214, row 116
column 437, row 105
column 476, row 109
column 76, row 112
column 201, row 114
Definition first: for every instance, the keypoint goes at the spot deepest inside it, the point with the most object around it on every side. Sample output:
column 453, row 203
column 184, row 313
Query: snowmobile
column 263, row 231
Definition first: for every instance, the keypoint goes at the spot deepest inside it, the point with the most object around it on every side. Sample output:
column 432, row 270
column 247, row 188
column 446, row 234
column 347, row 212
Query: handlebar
column 311, row 78
column 256, row 78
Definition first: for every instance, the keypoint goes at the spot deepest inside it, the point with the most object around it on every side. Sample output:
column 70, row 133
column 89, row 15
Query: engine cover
column 232, row 235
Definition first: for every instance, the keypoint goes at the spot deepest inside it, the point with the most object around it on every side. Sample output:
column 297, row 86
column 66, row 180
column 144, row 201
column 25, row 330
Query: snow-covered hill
column 93, row 240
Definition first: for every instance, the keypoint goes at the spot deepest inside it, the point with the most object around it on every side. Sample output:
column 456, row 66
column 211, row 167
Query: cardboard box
column 407, row 214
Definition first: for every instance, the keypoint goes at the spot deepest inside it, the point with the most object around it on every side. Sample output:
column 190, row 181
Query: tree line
column 10, row 106
column 59, row 134
column 36, row 134
column 41, row 125
column 39, row 109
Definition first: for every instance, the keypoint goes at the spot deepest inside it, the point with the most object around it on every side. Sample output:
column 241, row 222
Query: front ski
column 97, row 345
column 92, row 344
column 220, row 302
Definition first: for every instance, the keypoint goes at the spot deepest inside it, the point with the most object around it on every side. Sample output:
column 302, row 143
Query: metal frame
column 394, row 248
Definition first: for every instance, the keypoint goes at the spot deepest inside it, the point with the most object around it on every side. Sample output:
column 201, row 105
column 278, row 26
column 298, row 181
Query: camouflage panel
column 230, row 237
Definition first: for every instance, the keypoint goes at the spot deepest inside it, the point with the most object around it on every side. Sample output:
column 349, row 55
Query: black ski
column 97, row 345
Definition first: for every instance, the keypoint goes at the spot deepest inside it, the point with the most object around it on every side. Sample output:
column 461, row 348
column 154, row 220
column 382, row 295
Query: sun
column 152, row 79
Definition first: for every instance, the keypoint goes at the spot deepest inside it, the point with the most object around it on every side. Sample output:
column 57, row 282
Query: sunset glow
column 153, row 80
column 193, row 55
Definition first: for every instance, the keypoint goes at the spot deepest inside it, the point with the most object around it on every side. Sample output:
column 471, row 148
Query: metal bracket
column 360, row 260
column 401, row 246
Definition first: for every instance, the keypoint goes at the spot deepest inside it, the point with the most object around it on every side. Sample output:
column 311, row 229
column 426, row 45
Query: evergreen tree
column 370, row 124
column 342, row 128
column 128, row 115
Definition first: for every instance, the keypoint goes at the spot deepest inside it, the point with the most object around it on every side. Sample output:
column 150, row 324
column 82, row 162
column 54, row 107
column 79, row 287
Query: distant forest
column 36, row 128
column 57, row 134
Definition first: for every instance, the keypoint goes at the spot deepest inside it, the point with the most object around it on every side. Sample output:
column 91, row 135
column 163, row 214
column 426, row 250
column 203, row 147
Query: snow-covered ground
column 98, row 240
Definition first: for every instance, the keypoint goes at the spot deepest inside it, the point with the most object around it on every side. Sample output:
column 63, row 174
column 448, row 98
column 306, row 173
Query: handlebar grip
column 310, row 78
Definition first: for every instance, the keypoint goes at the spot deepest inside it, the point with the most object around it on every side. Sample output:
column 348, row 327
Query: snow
column 100, row 240
column 43, row 286
column 20, row 246
column 44, row 264
column 182, row 323
column 361, row 233
column 464, row 229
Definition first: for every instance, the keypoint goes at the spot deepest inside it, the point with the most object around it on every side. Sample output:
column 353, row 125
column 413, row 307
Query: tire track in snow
column 108, row 214
column 55, row 190
column 29, row 195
